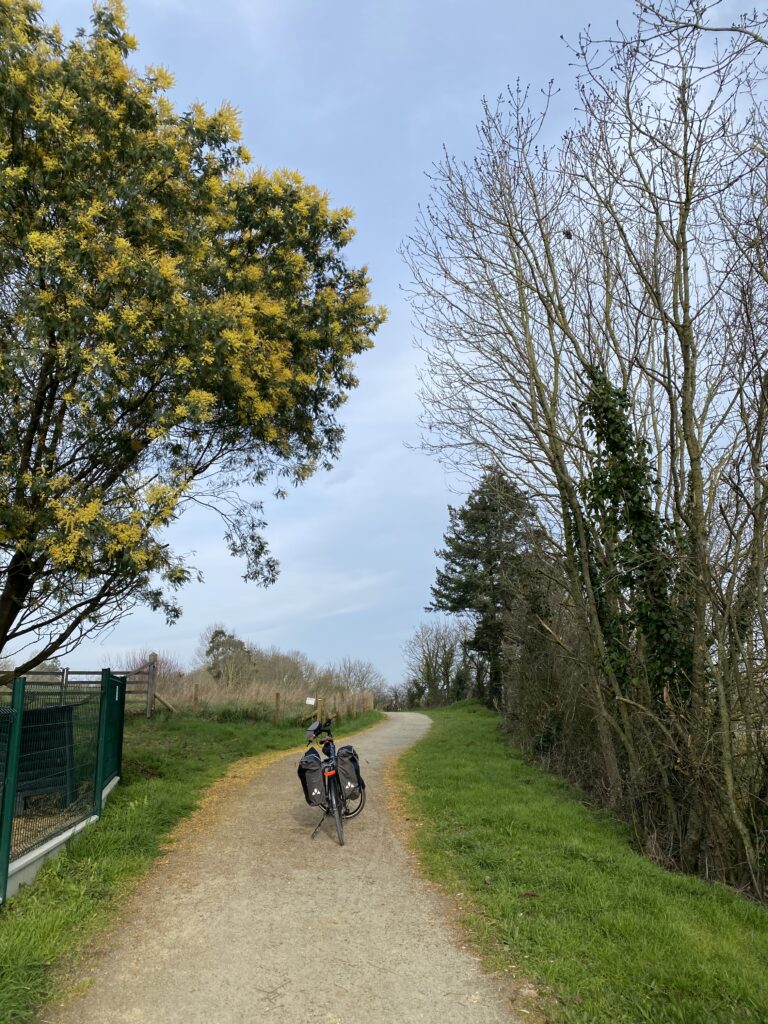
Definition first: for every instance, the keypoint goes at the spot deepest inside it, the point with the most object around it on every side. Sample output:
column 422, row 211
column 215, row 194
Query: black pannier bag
column 311, row 775
column 348, row 765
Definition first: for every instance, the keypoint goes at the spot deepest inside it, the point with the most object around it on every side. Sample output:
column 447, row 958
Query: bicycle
column 336, row 804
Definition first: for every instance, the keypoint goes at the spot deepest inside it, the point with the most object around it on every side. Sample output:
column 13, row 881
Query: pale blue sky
column 360, row 97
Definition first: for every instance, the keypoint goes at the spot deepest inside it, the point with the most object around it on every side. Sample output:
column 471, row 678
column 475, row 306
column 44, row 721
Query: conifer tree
column 485, row 544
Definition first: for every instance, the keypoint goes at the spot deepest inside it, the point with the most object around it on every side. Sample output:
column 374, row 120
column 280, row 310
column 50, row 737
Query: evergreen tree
column 228, row 657
column 485, row 545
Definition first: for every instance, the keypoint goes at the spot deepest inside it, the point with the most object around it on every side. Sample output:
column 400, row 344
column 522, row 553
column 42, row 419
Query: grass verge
column 167, row 763
column 553, row 892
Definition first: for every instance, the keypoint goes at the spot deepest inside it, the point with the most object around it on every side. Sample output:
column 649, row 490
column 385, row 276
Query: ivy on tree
column 173, row 326
column 640, row 571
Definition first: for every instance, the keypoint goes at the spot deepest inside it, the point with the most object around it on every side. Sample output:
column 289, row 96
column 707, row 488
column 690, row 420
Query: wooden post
column 195, row 694
column 151, row 684
column 166, row 705
column 277, row 708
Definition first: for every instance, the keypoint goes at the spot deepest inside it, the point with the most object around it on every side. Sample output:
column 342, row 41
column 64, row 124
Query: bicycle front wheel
column 337, row 808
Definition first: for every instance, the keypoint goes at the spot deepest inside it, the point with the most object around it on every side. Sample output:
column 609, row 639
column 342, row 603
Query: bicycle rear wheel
column 336, row 808
column 353, row 807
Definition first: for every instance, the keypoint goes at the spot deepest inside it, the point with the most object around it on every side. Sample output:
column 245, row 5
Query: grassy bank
column 167, row 762
column 553, row 892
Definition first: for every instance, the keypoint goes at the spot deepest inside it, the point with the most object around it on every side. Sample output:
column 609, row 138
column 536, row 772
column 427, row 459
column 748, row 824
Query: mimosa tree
column 174, row 326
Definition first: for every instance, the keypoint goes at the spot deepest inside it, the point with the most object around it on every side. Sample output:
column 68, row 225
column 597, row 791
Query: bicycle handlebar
column 315, row 731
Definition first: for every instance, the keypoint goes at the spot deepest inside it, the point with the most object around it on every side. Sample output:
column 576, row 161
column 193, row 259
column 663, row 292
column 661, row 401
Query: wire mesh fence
column 66, row 747
column 6, row 717
column 57, row 762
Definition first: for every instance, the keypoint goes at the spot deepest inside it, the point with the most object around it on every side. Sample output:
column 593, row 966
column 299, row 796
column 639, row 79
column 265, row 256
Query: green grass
column 557, row 890
column 167, row 762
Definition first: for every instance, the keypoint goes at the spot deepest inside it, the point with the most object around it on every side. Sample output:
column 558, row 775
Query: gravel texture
column 248, row 920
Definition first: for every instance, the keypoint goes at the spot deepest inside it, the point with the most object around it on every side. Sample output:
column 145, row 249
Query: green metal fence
column 60, row 746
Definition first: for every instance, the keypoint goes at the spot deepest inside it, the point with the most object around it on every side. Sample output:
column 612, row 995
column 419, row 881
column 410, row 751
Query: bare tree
column 594, row 308
column 439, row 664
column 357, row 675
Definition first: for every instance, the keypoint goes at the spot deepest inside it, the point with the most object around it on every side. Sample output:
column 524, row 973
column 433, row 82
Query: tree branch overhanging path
column 177, row 326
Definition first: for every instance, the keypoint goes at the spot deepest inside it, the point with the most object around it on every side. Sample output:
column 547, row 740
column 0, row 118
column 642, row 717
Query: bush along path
column 167, row 763
column 247, row 918
column 553, row 892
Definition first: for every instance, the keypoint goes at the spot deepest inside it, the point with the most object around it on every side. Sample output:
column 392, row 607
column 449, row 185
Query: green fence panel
column 6, row 718
column 47, row 755
column 61, row 743
column 10, row 744
column 57, row 759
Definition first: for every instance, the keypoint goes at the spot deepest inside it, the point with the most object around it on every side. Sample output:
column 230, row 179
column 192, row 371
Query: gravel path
column 247, row 920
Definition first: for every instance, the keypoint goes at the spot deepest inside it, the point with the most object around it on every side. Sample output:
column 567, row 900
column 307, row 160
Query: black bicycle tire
column 359, row 805
column 336, row 807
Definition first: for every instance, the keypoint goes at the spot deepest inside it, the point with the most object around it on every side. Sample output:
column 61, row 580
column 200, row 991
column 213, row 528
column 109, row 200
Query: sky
column 360, row 97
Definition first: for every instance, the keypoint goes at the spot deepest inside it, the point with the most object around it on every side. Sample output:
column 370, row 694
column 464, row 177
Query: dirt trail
column 247, row 920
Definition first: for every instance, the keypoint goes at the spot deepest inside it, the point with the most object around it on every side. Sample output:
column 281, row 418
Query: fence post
column 98, row 782
column 118, row 681
column 151, row 684
column 9, row 787
column 277, row 708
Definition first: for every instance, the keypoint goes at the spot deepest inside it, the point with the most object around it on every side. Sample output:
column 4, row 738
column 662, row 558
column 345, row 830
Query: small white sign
column 310, row 700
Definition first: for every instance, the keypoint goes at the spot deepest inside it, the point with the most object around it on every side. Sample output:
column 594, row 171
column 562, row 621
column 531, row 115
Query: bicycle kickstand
column 317, row 827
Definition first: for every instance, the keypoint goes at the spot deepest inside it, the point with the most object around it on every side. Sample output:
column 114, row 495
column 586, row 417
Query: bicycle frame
column 336, row 804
